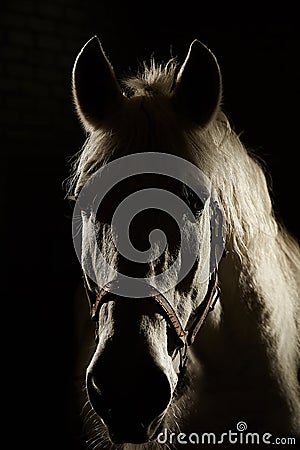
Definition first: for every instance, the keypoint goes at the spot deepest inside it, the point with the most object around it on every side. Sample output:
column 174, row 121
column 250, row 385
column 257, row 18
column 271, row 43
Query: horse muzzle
column 129, row 379
column 132, row 409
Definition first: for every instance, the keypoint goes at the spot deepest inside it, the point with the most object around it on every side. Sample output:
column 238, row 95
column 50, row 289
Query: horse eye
column 197, row 205
column 84, row 206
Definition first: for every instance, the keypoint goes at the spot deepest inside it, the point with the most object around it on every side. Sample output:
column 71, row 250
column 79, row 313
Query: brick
column 38, row 57
column 41, row 25
column 9, row 117
column 64, row 62
column 12, row 53
column 75, row 15
column 11, row 19
column 26, row 6
column 52, row 9
column 72, row 46
column 36, row 119
column 22, row 38
column 20, row 102
column 49, row 42
column 48, row 75
column 19, row 70
column 9, row 84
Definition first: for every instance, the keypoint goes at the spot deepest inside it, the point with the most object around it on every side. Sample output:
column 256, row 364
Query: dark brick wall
column 39, row 43
column 256, row 50
column 39, row 132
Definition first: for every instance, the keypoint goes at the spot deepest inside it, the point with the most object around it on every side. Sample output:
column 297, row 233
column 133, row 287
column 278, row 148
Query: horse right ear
column 198, row 88
column 96, row 92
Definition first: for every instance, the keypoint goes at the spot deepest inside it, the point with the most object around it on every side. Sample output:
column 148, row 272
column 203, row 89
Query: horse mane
column 155, row 78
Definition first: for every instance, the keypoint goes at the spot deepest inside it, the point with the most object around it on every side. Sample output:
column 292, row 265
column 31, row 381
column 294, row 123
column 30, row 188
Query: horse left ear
column 198, row 89
column 96, row 92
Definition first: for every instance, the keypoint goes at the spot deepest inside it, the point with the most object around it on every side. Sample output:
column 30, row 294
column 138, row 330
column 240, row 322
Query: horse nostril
column 133, row 406
column 97, row 398
column 157, row 395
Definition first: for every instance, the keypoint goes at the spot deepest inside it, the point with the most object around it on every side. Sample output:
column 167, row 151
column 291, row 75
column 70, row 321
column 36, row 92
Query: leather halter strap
column 186, row 336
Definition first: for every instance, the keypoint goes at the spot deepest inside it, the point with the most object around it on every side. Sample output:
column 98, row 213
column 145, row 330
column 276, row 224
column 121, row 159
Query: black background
column 257, row 47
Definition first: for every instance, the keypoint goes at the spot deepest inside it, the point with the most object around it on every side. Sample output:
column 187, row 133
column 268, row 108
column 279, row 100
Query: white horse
column 242, row 371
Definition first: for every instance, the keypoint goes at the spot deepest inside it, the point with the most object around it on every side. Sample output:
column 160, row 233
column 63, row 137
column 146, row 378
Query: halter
column 185, row 336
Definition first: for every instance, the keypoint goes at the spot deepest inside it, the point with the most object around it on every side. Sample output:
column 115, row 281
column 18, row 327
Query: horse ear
column 198, row 88
column 96, row 91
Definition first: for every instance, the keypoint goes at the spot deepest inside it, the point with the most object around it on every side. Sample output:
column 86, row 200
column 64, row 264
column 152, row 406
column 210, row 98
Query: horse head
column 148, row 296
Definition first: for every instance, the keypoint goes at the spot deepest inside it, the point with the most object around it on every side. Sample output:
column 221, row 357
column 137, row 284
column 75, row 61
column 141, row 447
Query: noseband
column 185, row 336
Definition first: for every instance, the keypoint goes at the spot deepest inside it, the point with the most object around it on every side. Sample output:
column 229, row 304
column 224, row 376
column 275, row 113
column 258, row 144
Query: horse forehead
column 145, row 185
column 150, row 180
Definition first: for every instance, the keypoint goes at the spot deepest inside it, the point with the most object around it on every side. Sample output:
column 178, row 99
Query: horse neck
column 233, row 328
column 251, row 340
column 244, row 323
column 254, row 329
